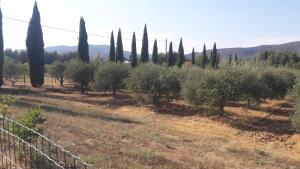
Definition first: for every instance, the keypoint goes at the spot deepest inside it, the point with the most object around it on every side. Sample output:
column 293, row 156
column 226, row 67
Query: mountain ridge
column 243, row 52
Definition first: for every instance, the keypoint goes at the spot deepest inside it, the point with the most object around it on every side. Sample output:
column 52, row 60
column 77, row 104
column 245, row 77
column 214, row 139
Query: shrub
column 155, row 81
column 5, row 102
column 80, row 72
column 295, row 117
column 111, row 77
column 30, row 119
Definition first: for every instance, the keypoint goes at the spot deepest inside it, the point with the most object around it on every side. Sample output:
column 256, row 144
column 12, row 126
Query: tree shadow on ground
column 49, row 108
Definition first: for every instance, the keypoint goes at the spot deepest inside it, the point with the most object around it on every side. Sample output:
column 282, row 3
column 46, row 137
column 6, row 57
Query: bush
column 111, row 77
column 295, row 117
column 5, row 102
column 155, row 81
column 30, row 119
column 80, row 72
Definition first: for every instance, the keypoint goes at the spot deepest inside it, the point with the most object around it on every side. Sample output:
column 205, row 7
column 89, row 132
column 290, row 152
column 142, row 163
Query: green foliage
column 57, row 70
column 5, row 102
column 155, row 81
column 1, row 50
column 155, row 53
column 145, row 46
column 133, row 56
column 12, row 71
column 214, row 59
column 83, row 46
column 278, row 82
column 35, row 49
column 171, row 56
column 119, row 52
column 279, row 59
column 204, row 60
column 111, row 77
column 295, row 117
column 193, row 57
column 181, row 57
column 80, row 72
column 30, row 119
column 112, row 50
column 214, row 88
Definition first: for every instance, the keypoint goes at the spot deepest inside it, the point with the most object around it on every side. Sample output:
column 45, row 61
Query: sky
column 229, row 23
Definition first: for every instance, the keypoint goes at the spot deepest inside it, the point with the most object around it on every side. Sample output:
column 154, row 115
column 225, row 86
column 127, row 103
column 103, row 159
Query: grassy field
column 124, row 133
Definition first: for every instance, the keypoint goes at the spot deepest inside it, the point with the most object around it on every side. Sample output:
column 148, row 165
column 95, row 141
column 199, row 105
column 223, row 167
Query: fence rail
column 34, row 152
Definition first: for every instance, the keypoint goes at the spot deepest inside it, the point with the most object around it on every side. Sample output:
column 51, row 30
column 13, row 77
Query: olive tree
column 80, row 72
column 12, row 71
column 57, row 70
column 111, row 77
column 154, row 81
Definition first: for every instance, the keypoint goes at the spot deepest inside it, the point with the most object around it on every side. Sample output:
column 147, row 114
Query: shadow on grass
column 17, row 91
column 51, row 108
column 176, row 109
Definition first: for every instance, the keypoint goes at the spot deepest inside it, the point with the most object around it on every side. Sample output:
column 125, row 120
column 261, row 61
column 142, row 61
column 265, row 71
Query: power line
column 71, row 31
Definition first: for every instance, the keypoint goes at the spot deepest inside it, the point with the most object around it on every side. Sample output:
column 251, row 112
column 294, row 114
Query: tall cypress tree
column 83, row 46
column 236, row 59
column 171, row 57
column 133, row 56
column 230, row 59
column 1, row 50
column 145, row 47
column 181, row 58
column 112, row 50
column 205, row 59
column 35, row 49
column 214, row 60
column 193, row 57
column 119, row 52
column 155, row 53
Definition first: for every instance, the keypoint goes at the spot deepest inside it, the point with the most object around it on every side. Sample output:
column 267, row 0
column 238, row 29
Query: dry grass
column 122, row 133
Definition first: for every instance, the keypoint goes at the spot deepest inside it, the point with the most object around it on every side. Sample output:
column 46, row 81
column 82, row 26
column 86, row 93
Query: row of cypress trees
column 116, row 52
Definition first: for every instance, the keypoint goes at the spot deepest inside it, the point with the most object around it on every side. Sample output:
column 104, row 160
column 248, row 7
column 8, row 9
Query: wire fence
column 32, row 150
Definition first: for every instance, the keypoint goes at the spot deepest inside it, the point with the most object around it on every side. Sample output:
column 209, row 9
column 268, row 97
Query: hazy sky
column 230, row 23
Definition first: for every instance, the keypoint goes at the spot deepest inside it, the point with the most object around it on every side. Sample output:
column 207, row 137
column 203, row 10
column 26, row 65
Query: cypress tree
column 214, row 60
column 181, row 58
column 230, row 59
column 171, row 60
column 83, row 46
column 119, row 52
column 205, row 60
column 145, row 50
column 155, row 53
column 236, row 59
column 112, row 50
column 1, row 50
column 133, row 56
column 35, row 49
column 193, row 57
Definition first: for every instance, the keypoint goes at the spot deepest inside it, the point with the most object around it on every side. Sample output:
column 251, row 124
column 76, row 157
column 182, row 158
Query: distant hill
column 253, row 51
column 103, row 50
column 95, row 50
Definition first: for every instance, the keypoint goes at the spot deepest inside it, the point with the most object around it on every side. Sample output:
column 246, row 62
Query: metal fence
column 34, row 152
